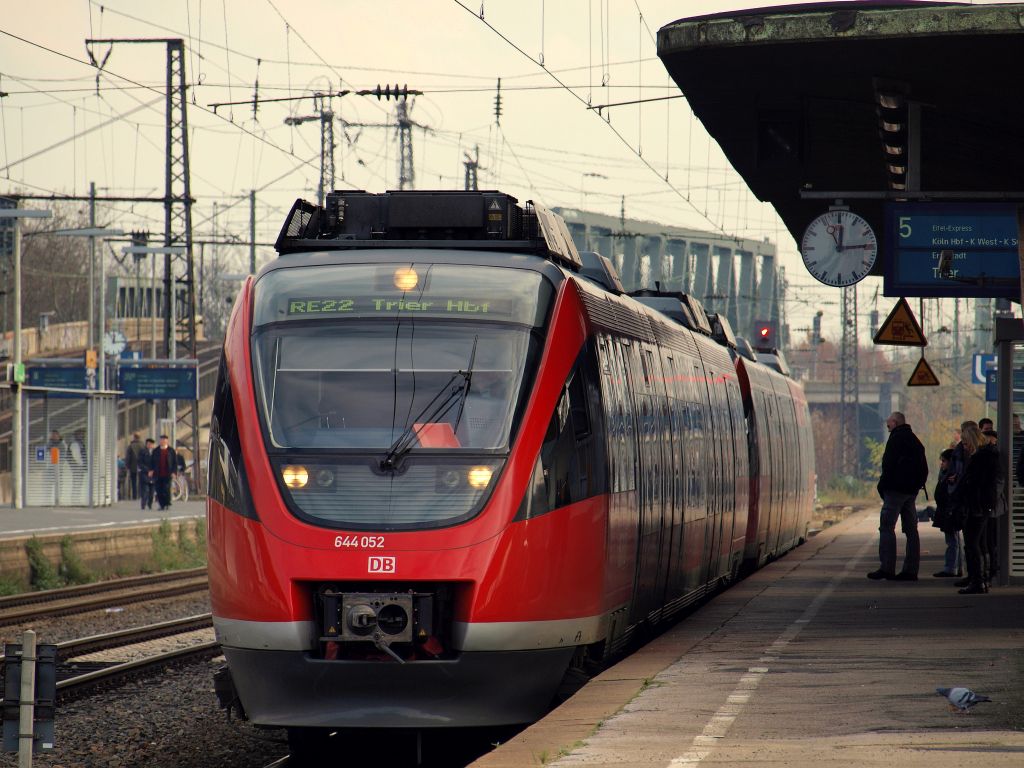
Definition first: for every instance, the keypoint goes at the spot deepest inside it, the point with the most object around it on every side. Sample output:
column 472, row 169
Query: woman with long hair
column 977, row 494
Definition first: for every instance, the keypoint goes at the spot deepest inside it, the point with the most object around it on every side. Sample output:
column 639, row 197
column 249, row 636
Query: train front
column 363, row 486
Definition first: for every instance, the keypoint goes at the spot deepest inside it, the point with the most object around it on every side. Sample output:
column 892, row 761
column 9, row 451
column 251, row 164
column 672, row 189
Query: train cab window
column 399, row 398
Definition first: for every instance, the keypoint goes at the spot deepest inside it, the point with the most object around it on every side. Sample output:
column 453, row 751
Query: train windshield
column 394, row 383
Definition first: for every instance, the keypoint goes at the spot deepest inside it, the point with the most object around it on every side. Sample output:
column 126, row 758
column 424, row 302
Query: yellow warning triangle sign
column 901, row 328
column 923, row 375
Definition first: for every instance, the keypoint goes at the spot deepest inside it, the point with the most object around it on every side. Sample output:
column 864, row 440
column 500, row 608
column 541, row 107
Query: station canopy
column 837, row 100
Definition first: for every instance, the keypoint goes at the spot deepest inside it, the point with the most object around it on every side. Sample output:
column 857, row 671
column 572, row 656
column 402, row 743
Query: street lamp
column 17, row 214
column 92, row 233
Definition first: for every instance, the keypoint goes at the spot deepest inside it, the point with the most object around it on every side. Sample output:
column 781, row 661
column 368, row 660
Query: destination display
column 159, row 382
column 322, row 305
column 952, row 249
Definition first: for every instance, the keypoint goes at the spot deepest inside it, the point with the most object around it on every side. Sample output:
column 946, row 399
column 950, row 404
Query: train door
column 775, row 479
column 621, row 451
column 649, row 497
column 676, row 503
column 715, row 444
column 700, row 490
column 661, row 456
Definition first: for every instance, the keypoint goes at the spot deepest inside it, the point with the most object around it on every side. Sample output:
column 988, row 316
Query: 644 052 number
column 359, row 542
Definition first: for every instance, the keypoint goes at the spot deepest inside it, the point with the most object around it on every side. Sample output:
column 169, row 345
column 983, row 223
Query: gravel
column 169, row 721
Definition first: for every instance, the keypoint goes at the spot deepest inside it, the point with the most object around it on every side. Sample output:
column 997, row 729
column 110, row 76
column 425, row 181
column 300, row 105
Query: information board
column 980, row 245
column 62, row 377
column 159, row 382
column 992, row 386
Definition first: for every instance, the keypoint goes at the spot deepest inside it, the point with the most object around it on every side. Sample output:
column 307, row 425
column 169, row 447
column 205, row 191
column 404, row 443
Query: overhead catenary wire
column 718, row 227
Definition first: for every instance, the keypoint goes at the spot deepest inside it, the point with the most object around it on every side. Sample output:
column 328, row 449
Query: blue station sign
column 161, row 381
column 952, row 249
column 58, row 376
column 992, row 385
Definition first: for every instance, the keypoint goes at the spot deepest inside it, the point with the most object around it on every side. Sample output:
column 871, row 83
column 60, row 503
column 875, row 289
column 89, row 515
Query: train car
column 449, row 461
column 781, row 449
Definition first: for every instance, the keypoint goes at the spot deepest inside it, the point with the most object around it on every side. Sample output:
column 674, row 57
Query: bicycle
column 179, row 488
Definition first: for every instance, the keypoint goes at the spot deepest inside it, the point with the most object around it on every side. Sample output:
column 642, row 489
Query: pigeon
column 961, row 699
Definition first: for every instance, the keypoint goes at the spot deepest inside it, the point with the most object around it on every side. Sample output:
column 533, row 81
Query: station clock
column 839, row 248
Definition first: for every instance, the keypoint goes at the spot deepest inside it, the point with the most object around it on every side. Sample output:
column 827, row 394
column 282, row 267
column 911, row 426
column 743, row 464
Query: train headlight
column 479, row 477
column 295, row 476
column 406, row 278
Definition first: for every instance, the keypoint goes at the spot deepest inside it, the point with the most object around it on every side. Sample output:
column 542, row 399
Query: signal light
column 764, row 334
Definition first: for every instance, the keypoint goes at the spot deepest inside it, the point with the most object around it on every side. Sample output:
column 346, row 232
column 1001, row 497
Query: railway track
column 77, row 677
column 29, row 606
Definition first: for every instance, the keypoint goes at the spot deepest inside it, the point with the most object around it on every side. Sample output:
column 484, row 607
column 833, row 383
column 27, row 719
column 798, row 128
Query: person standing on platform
column 131, row 463
column 977, row 493
column 998, row 510
column 904, row 472
column 163, row 468
column 946, row 521
column 145, row 479
column 79, row 468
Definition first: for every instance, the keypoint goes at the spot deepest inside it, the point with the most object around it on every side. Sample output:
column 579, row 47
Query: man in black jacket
column 163, row 466
column 904, row 472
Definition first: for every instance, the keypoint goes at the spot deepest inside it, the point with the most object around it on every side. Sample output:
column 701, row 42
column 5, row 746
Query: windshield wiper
column 469, row 382
column 431, row 412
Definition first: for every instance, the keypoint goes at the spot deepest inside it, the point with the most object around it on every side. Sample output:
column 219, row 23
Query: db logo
column 381, row 565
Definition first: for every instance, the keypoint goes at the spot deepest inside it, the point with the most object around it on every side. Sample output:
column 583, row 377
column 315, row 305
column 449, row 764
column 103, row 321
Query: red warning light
column 764, row 334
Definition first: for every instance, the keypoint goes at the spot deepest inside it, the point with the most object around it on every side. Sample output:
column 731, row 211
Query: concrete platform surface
column 37, row 521
column 807, row 663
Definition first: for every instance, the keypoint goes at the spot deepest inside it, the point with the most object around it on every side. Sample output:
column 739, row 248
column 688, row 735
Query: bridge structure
column 737, row 276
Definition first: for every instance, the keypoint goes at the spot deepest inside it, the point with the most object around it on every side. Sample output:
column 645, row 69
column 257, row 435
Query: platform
column 807, row 663
column 16, row 523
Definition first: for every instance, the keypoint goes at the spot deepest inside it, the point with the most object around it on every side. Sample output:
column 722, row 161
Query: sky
column 74, row 114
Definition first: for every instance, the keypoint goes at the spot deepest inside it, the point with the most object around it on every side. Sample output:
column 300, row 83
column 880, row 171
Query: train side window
column 226, row 473
column 572, row 464
column 578, row 405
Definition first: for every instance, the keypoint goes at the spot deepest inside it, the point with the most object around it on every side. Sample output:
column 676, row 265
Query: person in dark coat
column 978, row 493
column 904, row 472
column 131, row 463
column 145, row 476
column 163, row 468
column 998, row 510
column 945, row 519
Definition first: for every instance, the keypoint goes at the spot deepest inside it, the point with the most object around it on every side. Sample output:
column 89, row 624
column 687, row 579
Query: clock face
column 114, row 342
column 839, row 248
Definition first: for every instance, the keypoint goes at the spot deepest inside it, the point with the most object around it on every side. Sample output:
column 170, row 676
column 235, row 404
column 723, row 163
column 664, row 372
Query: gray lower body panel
column 292, row 689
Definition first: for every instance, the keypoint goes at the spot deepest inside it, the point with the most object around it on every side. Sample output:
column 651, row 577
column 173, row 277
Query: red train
column 450, row 460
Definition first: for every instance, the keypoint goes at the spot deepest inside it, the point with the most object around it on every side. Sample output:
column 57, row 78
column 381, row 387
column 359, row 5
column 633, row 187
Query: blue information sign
column 992, row 386
column 62, row 377
column 980, row 363
column 981, row 241
column 159, row 382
